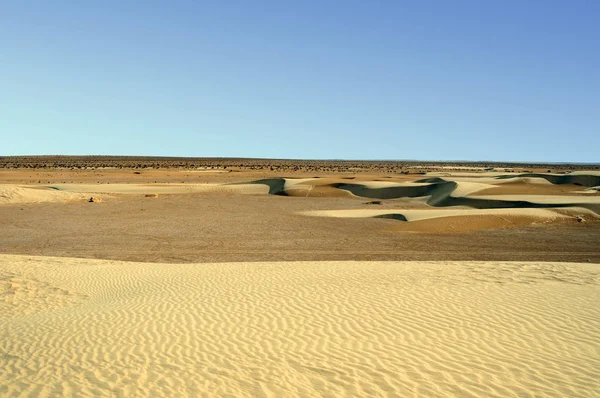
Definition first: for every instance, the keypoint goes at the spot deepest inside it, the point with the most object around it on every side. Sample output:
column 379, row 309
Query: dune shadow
column 393, row 216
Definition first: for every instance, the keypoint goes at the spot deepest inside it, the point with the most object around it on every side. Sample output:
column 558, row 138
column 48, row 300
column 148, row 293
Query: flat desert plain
column 282, row 278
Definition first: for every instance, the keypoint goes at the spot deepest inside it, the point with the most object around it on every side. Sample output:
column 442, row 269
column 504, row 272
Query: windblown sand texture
column 106, row 328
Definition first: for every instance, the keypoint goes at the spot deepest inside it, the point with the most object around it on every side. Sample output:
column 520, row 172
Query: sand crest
column 108, row 328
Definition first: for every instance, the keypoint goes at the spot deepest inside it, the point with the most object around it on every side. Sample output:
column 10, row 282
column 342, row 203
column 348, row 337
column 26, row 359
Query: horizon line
column 521, row 162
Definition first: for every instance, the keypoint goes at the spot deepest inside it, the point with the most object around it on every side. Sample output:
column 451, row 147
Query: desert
column 300, row 199
column 237, row 278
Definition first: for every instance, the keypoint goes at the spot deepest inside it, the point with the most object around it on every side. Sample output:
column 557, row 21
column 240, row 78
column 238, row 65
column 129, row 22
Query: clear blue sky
column 436, row 80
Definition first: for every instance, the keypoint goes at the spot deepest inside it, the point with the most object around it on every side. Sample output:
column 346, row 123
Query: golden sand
column 109, row 328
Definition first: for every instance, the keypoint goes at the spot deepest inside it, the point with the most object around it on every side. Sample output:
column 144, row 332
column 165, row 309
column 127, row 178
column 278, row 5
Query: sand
column 14, row 194
column 222, row 227
column 108, row 328
column 563, row 199
column 17, row 194
column 262, row 216
column 411, row 215
column 188, row 282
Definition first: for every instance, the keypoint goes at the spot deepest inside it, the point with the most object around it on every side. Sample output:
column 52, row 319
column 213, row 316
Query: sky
column 395, row 80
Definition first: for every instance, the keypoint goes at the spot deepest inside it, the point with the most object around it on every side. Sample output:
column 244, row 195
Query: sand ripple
column 110, row 328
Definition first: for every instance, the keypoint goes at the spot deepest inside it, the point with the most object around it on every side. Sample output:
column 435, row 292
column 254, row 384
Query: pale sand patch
column 590, row 190
column 108, row 328
column 466, row 174
column 467, row 188
column 426, row 214
column 27, row 194
column 492, row 180
column 14, row 194
column 159, row 188
column 298, row 183
column 584, row 172
column 544, row 199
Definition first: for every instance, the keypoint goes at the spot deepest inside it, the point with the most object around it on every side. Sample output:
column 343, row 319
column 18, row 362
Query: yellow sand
column 542, row 215
column 11, row 194
column 558, row 199
column 161, row 188
column 107, row 328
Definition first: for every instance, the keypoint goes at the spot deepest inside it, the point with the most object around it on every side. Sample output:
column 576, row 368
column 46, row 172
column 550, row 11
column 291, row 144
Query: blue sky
column 433, row 80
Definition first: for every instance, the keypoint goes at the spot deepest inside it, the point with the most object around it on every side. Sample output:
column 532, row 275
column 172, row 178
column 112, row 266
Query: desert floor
column 242, row 282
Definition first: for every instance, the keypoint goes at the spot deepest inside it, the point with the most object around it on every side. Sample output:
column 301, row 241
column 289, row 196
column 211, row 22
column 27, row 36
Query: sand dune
column 586, row 179
column 543, row 215
column 539, row 199
column 488, row 191
column 583, row 178
column 362, row 189
column 138, row 189
column 17, row 194
column 13, row 194
column 106, row 328
column 437, row 192
column 442, row 193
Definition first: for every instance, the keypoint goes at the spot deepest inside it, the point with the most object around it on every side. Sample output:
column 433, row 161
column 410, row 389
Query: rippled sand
column 108, row 328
